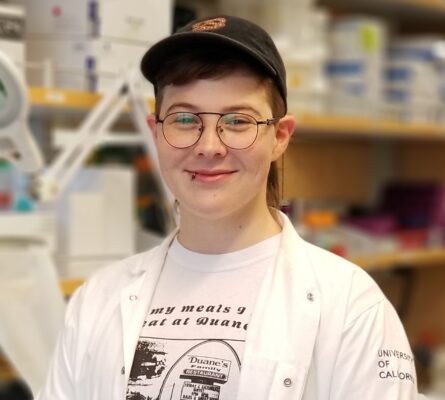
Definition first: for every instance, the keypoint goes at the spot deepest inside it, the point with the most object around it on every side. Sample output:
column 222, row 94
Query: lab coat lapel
column 136, row 298
column 284, row 325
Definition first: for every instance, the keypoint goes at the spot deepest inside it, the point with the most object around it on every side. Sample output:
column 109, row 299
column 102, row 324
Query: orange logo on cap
column 209, row 25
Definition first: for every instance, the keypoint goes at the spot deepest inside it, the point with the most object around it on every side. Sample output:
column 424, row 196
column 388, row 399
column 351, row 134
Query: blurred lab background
column 364, row 176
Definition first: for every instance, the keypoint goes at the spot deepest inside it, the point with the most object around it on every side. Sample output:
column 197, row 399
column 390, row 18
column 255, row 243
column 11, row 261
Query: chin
column 211, row 210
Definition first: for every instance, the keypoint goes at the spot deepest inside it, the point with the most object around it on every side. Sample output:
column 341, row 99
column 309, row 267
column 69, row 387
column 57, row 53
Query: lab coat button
column 287, row 382
column 310, row 296
column 123, row 370
column 133, row 297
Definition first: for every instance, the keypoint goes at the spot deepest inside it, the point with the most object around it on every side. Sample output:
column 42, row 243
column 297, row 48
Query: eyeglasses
column 235, row 130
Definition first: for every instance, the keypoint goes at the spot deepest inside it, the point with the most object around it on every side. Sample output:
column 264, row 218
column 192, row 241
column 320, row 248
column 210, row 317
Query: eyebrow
column 183, row 106
column 242, row 108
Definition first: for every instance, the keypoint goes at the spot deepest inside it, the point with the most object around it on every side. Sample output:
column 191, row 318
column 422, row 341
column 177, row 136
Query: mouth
column 209, row 175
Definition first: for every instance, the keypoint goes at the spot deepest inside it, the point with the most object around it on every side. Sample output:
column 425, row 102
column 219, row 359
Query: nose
column 210, row 145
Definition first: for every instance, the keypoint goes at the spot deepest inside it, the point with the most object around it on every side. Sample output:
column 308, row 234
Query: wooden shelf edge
column 69, row 285
column 62, row 98
column 68, row 99
column 410, row 258
column 333, row 125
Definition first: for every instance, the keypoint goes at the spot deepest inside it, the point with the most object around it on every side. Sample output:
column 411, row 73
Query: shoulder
column 339, row 278
column 105, row 285
column 342, row 285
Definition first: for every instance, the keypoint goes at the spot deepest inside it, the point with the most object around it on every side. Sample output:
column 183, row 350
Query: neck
column 228, row 234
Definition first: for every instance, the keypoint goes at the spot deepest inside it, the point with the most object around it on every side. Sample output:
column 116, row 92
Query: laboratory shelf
column 362, row 127
column 65, row 100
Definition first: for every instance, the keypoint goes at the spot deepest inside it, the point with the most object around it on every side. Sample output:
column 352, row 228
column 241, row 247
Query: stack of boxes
column 88, row 44
column 12, row 32
column 355, row 69
column 415, row 80
column 301, row 36
column 305, row 53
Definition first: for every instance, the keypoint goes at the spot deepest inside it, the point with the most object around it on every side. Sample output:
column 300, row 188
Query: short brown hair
column 194, row 64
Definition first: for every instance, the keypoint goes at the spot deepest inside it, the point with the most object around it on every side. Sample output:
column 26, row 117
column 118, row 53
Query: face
column 209, row 179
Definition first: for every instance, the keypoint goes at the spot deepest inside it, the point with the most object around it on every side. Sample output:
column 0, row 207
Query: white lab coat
column 315, row 333
column 32, row 307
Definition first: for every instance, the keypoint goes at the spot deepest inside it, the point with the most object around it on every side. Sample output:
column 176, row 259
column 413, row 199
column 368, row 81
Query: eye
column 236, row 119
column 184, row 118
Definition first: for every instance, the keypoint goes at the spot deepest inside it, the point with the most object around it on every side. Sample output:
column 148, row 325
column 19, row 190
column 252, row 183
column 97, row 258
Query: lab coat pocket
column 266, row 379
column 288, row 382
column 256, row 378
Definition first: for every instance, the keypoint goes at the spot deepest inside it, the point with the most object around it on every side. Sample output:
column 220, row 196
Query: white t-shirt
column 192, row 341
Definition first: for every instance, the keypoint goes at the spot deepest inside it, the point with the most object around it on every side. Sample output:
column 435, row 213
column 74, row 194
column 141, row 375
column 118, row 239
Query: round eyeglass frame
column 267, row 122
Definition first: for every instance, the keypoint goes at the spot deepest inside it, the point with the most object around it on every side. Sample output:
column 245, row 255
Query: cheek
column 259, row 166
column 172, row 164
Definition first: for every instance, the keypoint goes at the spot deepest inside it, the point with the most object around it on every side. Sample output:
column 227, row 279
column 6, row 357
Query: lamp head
column 17, row 145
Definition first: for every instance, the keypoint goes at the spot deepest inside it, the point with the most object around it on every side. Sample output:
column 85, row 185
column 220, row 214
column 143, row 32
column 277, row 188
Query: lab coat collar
column 136, row 298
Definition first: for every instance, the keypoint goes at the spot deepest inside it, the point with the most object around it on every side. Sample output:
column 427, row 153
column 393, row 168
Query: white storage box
column 91, row 65
column 415, row 79
column 144, row 21
column 356, row 65
column 115, row 58
column 421, row 79
column 60, row 17
column 97, row 222
column 65, row 63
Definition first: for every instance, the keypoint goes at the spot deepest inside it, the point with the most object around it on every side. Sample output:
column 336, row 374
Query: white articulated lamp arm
column 50, row 184
column 16, row 142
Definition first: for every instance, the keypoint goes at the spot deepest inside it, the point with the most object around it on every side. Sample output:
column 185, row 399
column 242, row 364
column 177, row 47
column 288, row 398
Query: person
column 233, row 304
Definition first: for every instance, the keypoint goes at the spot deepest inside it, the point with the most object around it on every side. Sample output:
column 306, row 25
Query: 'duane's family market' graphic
column 193, row 376
column 171, row 364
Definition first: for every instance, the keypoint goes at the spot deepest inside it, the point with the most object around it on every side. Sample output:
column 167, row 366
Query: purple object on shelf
column 415, row 205
column 377, row 225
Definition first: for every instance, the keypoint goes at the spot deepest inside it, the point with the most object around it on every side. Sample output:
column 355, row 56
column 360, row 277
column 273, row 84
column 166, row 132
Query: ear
column 151, row 121
column 283, row 133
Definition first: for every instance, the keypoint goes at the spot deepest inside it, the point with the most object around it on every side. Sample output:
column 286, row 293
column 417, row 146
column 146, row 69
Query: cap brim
column 154, row 58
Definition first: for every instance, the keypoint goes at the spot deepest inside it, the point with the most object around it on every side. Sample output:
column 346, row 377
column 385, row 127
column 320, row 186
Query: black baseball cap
column 228, row 31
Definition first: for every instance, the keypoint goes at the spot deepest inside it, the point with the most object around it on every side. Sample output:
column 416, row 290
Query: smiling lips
column 209, row 176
